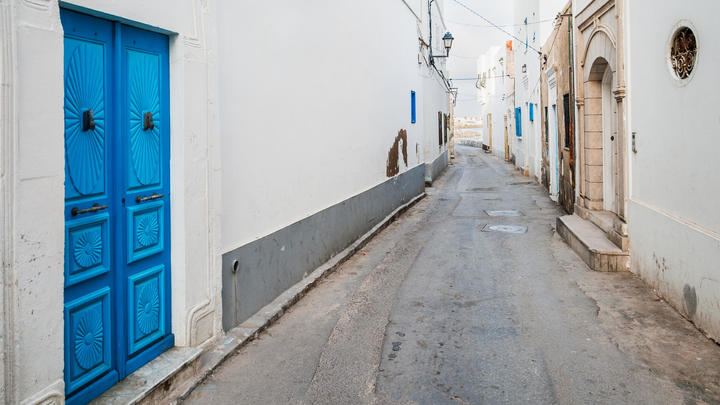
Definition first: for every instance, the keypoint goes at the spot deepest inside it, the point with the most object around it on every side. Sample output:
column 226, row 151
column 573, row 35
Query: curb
column 219, row 351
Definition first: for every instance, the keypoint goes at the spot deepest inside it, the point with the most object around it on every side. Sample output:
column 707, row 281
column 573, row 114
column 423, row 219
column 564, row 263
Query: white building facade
column 491, row 96
column 673, row 221
column 533, row 23
column 166, row 165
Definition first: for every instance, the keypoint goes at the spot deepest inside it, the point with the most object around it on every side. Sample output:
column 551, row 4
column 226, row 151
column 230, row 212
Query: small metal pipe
column 431, row 31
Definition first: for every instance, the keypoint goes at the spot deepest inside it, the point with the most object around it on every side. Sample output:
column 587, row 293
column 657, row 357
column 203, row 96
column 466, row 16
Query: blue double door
column 117, row 205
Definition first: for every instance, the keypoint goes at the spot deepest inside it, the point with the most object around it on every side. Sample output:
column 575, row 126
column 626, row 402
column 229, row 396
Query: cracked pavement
column 448, row 307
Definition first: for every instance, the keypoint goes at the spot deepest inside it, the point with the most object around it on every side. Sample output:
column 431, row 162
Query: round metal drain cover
column 517, row 229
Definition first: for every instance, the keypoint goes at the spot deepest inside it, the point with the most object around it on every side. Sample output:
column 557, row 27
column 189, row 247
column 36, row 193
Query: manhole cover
column 505, row 228
column 482, row 189
column 504, row 213
column 521, row 183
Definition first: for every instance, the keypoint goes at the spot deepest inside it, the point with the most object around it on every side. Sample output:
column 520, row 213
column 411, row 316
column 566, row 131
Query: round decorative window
column 683, row 52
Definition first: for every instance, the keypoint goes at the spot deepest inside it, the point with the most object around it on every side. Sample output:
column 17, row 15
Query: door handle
column 96, row 207
column 154, row 196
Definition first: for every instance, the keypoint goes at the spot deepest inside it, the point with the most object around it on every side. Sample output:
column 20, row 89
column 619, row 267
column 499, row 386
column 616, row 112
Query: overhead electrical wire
column 475, row 78
column 465, row 6
column 501, row 26
column 552, row 46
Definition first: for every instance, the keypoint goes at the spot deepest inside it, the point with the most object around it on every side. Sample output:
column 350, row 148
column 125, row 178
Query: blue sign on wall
column 413, row 106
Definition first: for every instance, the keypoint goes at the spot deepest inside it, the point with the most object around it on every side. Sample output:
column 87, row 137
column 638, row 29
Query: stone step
column 173, row 368
column 592, row 244
column 602, row 219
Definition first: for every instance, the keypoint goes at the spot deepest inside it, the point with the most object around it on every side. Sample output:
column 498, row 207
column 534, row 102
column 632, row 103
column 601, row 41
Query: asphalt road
column 455, row 303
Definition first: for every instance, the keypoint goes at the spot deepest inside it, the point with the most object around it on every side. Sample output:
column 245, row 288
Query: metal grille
column 683, row 52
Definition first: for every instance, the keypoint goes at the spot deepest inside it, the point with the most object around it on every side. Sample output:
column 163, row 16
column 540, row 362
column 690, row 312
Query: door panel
column 608, row 124
column 85, row 92
column 90, row 363
column 145, row 186
column 117, row 207
column 146, row 227
column 87, row 253
column 91, row 340
column 554, row 160
column 144, row 169
column 146, row 304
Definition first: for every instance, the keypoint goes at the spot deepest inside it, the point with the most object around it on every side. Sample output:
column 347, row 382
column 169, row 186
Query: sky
column 473, row 37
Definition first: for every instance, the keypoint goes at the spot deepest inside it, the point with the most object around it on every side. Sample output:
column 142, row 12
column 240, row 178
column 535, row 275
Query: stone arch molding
column 600, row 46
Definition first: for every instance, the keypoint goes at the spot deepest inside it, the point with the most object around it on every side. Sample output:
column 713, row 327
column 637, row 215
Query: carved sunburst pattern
column 87, row 250
column 148, row 307
column 89, row 339
column 144, row 97
column 84, row 91
column 148, row 230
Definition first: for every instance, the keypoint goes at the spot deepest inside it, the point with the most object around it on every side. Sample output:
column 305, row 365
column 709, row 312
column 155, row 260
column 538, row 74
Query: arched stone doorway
column 602, row 137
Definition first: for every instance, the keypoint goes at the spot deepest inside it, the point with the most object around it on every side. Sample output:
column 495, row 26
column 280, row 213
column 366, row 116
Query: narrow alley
column 471, row 297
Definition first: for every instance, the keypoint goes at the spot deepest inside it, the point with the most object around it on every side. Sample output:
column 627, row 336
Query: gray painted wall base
column 435, row 169
column 270, row 265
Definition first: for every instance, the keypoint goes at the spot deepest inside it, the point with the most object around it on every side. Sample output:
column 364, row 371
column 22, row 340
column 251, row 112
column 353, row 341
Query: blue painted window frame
column 518, row 121
column 413, row 107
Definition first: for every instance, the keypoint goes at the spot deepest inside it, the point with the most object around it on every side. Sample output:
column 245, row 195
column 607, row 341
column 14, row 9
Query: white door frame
column 609, row 143
column 553, row 134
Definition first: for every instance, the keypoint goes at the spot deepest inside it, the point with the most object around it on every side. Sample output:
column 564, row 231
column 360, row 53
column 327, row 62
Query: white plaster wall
column 527, row 85
column 33, row 180
column 493, row 98
column 311, row 104
column 194, row 201
column 6, row 71
column 673, row 220
column 528, row 148
column 314, row 113
column 33, row 176
column 194, row 185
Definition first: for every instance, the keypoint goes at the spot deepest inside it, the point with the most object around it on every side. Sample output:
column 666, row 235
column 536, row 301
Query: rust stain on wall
column 393, row 166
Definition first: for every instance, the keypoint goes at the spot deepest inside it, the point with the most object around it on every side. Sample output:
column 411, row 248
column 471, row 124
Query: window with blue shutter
column 518, row 121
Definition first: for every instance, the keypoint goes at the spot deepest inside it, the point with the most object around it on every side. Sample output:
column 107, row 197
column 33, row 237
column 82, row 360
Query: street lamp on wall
column 447, row 38
column 447, row 41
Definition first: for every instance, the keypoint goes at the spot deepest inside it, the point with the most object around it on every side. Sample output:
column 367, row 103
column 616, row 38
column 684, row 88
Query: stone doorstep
column 160, row 371
column 173, row 375
column 609, row 223
column 592, row 244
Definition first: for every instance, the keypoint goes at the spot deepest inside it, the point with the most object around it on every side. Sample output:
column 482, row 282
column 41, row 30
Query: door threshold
column 164, row 371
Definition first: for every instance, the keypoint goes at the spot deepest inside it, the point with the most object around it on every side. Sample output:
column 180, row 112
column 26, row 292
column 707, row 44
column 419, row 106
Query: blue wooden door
column 144, row 189
column 117, row 239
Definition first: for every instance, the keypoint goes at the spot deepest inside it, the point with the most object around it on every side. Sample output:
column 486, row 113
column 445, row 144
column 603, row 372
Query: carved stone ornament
column 683, row 52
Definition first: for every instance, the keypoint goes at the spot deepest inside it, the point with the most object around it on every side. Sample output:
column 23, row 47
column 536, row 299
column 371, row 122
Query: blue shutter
column 532, row 113
column 413, row 115
column 518, row 121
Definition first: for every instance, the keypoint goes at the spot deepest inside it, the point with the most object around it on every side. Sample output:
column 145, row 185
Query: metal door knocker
column 88, row 120
column 148, row 121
